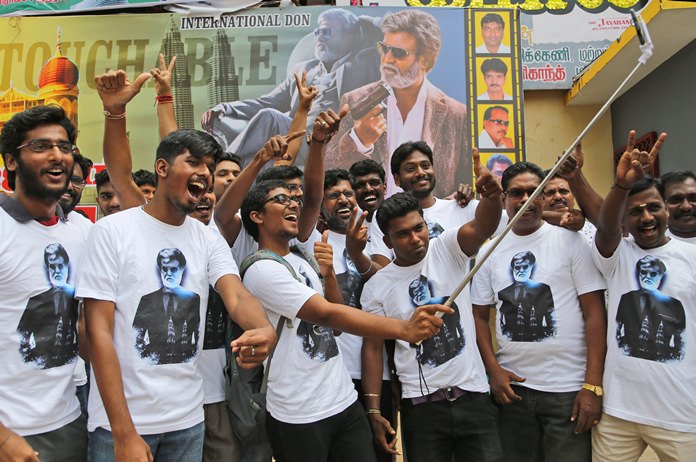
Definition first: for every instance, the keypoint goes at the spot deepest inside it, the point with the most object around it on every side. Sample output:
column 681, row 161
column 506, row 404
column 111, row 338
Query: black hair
column 144, row 177
column 365, row 167
column 171, row 254
column 495, row 65
column 492, row 17
column 524, row 256
column 85, row 164
column 499, row 158
column 254, row 201
column 489, row 111
column 199, row 144
column 519, row 168
column 646, row 183
column 228, row 156
column 56, row 250
column 398, row 205
column 101, row 179
column 405, row 150
column 335, row 175
column 285, row 172
column 677, row 176
column 15, row 131
column 556, row 175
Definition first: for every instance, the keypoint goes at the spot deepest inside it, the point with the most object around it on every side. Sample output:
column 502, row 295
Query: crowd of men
column 573, row 342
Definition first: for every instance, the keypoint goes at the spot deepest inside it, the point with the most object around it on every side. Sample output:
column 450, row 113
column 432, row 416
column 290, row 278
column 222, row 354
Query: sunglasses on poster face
column 505, row 123
column 325, row 31
column 397, row 53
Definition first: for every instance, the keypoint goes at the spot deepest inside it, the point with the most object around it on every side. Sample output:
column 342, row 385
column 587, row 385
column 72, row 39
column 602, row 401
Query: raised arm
column 356, row 241
column 323, row 252
column 165, row 101
column 632, row 167
column 229, row 204
column 589, row 201
column 116, row 91
column 473, row 234
column 299, row 121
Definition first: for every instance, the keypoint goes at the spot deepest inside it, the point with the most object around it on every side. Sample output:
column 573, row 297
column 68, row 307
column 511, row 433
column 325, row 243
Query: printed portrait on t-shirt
column 446, row 344
column 434, row 230
column 167, row 320
column 318, row 342
column 215, row 322
column 350, row 282
column 527, row 312
column 649, row 323
column 48, row 327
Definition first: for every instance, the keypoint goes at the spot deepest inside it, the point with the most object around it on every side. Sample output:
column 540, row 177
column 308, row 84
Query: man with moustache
column 39, row 412
column 496, row 121
column 680, row 196
column 559, row 207
column 338, row 67
column 494, row 72
column 417, row 110
column 72, row 196
column 227, row 169
column 492, row 30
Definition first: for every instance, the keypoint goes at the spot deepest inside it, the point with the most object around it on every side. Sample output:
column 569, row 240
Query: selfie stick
column 646, row 48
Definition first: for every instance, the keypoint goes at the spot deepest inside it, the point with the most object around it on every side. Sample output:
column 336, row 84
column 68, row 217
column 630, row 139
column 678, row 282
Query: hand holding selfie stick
column 646, row 48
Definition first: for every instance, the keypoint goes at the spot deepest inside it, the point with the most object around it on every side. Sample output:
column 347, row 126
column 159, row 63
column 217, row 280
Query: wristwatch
column 596, row 389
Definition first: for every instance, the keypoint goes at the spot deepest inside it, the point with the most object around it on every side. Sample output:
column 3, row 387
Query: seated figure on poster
column 415, row 110
column 344, row 59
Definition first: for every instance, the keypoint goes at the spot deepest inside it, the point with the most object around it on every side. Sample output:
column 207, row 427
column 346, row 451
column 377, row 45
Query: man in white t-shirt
column 446, row 412
column 141, row 345
column 42, row 249
column 312, row 404
column 550, row 326
column 680, row 197
column 413, row 171
column 650, row 373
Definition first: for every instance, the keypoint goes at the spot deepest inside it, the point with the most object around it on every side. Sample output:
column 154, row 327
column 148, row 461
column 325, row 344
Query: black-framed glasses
column 283, row 199
column 397, row 53
column 294, row 187
column 500, row 122
column 549, row 193
column 336, row 194
column 66, row 147
column 518, row 193
column 325, row 31
column 77, row 181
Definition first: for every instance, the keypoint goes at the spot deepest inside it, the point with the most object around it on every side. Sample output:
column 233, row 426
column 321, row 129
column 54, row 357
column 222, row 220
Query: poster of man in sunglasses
column 496, row 122
column 48, row 327
column 447, row 343
column 166, row 323
column 527, row 309
column 649, row 323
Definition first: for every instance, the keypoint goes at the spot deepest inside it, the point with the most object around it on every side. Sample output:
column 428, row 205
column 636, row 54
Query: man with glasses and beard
column 417, row 110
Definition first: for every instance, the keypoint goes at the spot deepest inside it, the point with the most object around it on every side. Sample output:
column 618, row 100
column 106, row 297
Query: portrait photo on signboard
column 492, row 32
column 494, row 80
column 497, row 162
column 496, row 126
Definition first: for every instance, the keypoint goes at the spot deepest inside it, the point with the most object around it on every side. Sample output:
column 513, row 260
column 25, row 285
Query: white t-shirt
column 157, row 322
column 444, row 214
column 539, row 321
column 650, row 370
column 588, row 231
column 38, row 324
column 689, row 240
column 308, row 381
column 501, row 49
column 80, row 374
column 450, row 358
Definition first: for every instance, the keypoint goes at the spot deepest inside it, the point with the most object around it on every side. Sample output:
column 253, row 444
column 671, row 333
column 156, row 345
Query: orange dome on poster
column 59, row 69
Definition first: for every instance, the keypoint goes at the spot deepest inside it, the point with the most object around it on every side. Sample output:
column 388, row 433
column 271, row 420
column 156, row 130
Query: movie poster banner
column 42, row 7
column 236, row 73
column 559, row 37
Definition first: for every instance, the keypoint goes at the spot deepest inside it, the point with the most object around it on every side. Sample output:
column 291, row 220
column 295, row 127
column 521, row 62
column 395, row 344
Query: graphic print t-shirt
column 136, row 262
column 450, row 358
column 539, row 322
column 38, row 324
column 308, row 381
column 650, row 369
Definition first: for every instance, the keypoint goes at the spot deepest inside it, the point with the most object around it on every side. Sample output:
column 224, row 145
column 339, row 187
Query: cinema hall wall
column 551, row 125
column 665, row 100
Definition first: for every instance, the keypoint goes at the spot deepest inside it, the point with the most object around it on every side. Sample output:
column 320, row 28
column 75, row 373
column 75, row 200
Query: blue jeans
column 538, row 428
column 178, row 446
column 462, row 430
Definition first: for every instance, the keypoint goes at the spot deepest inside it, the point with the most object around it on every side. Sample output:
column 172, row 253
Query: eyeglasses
column 500, row 122
column 336, row 194
column 325, row 31
column 549, row 193
column 77, row 181
column 397, row 53
column 294, row 187
column 284, row 199
column 520, row 193
column 66, row 147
